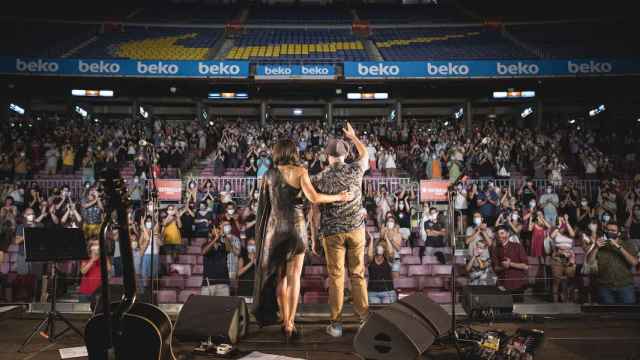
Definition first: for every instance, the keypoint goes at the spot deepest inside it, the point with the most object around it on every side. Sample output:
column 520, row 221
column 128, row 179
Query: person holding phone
column 615, row 258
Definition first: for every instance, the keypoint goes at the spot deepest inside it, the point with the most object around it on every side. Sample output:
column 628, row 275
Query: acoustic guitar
column 134, row 330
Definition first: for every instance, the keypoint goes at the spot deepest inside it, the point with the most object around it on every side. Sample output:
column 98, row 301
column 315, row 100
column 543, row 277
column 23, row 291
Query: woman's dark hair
column 285, row 152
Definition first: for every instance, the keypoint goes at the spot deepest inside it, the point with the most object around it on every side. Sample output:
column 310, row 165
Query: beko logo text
column 218, row 69
column 277, row 70
column 315, row 70
column 590, row 67
column 158, row 68
column 101, row 67
column 517, row 69
column 447, row 69
column 36, row 66
column 378, row 69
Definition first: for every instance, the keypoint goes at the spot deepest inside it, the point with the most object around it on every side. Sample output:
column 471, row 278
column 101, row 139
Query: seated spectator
column 91, row 275
column 380, row 284
column 215, row 281
column 510, row 263
column 479, row 266
column 563, row 263
column 246, row 266
column 615, row 258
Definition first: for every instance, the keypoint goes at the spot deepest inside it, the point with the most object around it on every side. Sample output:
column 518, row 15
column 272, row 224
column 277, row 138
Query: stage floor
column 593, row 337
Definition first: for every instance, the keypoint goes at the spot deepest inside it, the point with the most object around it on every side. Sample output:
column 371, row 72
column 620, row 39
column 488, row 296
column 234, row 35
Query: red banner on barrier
column 169, row 190
column 433, row 190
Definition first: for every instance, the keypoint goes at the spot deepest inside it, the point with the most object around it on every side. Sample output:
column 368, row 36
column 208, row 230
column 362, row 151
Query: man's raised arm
column 363, row 154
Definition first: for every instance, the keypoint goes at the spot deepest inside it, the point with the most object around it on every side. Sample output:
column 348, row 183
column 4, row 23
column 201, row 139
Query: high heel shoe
column 290, row 335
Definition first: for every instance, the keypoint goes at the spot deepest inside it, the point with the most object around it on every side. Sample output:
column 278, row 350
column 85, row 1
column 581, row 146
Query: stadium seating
column 297, row 15
column 41, row 39
column 153, row 44
column 466, row 43
column 566, row 41
column 394, row 14
column 297, row 45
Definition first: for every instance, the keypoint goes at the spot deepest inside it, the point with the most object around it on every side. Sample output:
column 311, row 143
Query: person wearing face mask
column 171, row 233
column 248, row 218
column 478, row 231
column 233, row 245
column 584, row 213
column 92, row 210
column 549, row 202
column 461, row 206
column 383, row 204
column 149, row 231
column 215, row 281
column 231, row 215
column 247, row 268
column 527, row 192
column 607, row 218
column 380, row 285
column 479, row 266
column 203, row 218
column 91, row 275
column 188, row 221
column 403, row 214
column 488, row 203
column 390, row 240
column 227, row 194
column 434, row 233
column 615, row 258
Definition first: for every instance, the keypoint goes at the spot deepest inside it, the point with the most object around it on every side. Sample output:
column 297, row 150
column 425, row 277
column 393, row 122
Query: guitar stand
column 49, row 321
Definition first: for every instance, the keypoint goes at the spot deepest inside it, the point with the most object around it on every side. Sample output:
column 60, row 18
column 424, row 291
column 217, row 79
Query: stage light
column 459, row 114
column 596, row 111
column 228, row 95
column 514, row 94
column 173, row 89
column 526, row 112
column 367, row 96
column 446, row 123
column 298, row 112
column 16, row 108
column 210, row 123
column 143, row 112
column 93, row 93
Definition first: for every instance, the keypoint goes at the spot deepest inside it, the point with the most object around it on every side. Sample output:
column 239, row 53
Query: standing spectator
column 461, row 206
column 21, row 166
column 383, row 205
column 92, row 214
column 563, row 263
column 91, row 275
column 171, row 234
column 380, row 285
column 633, row 226
column 403, row 214
column 488, row 204
column 527, row 192
column 149, row 234
column 203, row 218
column 264, row 164
column 233, row 246
column 51, row 156
column 479, row 266
column 247, row 269
column 584, row 213
column 215, row 281
column 538, row 226
column 615, row 257
column 390, row 240
column 549, row 203
column 511, row 264
column 227, row 194
column 434, row 233
column 68, row 159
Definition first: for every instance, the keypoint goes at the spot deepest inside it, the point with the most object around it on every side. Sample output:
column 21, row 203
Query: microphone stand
column 152, row 188
column 451, row 193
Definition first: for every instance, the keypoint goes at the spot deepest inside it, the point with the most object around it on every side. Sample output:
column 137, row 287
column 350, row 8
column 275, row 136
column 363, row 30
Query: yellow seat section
column 419, row 40
column 164, row 48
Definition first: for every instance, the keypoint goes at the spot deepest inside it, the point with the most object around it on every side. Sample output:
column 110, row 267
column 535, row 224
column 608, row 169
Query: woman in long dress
column 281, row 237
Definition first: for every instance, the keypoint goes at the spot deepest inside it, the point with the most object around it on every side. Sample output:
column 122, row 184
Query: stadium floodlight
column 228, row 95
column 596, row 111
column 446, row 123
column 143, row 112
column 354, row 96
column 528, row 94
column 526, row 112
column 82, row 112
column 499, row 94
column 298, row 112
column 368, row 96
column 17, row 109
column 514, row 94
column 572, row 121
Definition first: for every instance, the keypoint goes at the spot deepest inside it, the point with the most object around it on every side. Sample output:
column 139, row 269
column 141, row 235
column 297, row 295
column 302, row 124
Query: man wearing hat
column 342, row 226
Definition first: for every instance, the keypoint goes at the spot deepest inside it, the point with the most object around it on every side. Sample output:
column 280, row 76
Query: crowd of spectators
column 502, row 227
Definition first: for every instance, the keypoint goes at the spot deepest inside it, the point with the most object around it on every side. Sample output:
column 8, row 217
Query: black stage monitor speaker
column 403, row 330
column 221, row 318
column 487, row 300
